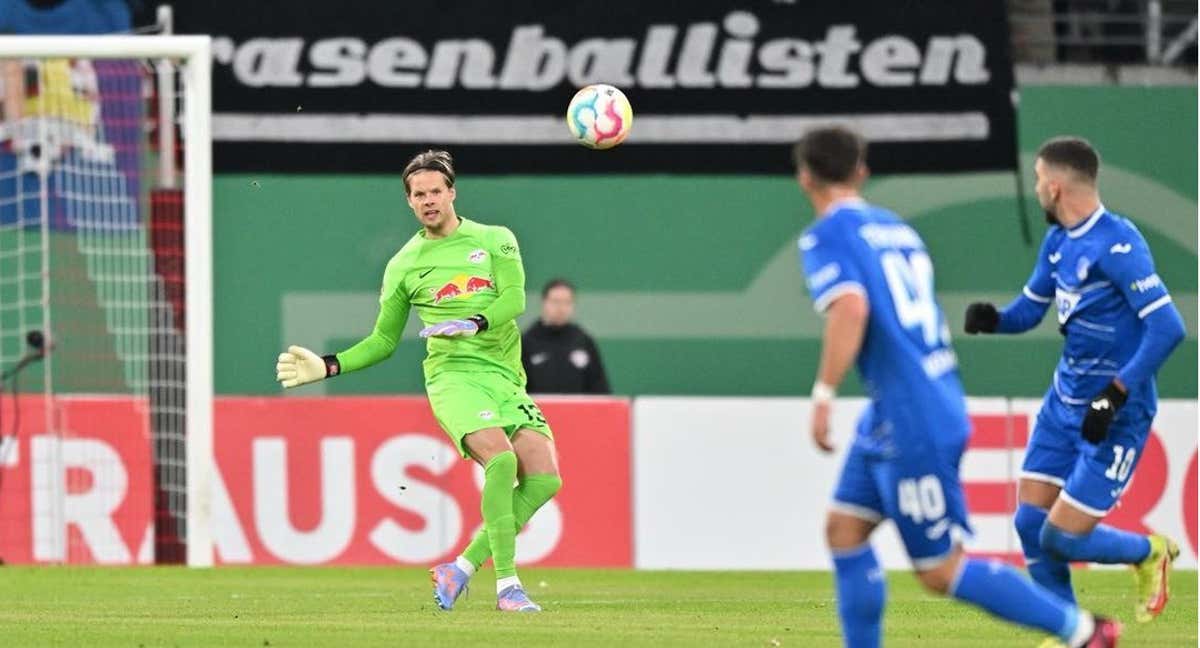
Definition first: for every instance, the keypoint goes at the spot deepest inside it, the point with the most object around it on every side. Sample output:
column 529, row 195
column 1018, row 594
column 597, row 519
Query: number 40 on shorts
column 921, row 498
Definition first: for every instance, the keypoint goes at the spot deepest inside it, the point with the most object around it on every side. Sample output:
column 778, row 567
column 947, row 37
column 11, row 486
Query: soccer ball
column 599, row 116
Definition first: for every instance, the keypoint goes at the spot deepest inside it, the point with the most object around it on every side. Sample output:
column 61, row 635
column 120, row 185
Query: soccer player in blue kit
column 870, row 274
column 1120, row 325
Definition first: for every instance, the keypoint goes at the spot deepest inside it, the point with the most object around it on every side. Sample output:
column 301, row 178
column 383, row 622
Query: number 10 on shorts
column 1122, row 463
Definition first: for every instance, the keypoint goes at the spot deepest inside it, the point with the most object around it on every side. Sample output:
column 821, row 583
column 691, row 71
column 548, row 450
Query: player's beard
column 1050, row 213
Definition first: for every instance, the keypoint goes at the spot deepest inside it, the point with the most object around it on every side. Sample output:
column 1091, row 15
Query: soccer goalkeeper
column 468, row 285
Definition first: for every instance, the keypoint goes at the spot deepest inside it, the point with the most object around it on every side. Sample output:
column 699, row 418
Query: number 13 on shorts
column 532, row 413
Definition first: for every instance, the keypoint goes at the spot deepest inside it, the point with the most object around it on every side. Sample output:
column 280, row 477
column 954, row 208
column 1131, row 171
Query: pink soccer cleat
column 514, row 599
column 448, row 583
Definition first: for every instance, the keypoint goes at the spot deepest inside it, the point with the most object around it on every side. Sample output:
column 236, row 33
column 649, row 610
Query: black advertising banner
column 716, row 86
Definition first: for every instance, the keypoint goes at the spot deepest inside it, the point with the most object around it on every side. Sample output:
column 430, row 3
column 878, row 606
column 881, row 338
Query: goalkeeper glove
column 1101, row 412
column 456, row 328
column 981, row 318
column 299, row 366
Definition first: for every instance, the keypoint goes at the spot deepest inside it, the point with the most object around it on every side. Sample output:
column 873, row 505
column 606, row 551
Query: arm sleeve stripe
column 1154, row 305
column 837, row 290
column 1034, row 296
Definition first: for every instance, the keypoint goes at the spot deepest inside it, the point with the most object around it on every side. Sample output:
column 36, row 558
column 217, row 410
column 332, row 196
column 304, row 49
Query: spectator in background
column 559, row 356
column 1032, row 25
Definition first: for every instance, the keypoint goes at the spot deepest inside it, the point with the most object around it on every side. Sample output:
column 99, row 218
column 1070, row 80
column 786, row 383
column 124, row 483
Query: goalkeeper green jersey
column 475, row 270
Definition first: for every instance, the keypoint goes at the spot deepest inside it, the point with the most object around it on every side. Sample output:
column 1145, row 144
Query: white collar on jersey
column 854, row 201
column 1081, row 229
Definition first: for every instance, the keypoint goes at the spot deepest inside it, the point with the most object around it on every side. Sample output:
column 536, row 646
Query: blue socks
column 1004, row 592
column 1103, row 545
column 1049, row 572
column 861, row 592
column 993, row 586
column 1049, row 549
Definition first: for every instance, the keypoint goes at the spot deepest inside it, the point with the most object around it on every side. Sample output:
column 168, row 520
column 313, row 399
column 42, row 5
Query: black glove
column 981, row 318
column 1100, row 413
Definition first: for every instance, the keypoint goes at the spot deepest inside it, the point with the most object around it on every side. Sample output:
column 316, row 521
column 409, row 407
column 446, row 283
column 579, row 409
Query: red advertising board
column 363, row 480
column 76, row 482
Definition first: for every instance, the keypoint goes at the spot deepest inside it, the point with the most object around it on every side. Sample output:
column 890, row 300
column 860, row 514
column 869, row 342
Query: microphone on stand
column 37, row 342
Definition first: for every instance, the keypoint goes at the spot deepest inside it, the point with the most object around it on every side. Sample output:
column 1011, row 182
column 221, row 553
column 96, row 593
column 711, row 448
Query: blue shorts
column 918, row 490
column 1092, row 477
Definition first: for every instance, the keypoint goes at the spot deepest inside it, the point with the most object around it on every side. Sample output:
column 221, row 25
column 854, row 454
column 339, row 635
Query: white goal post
column 194, row 53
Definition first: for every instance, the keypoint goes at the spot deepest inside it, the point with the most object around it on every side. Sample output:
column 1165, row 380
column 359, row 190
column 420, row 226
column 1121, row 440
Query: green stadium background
column 690, row 283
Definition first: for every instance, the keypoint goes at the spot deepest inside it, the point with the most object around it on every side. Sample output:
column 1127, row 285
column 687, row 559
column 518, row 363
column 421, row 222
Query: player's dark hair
column 430, row 160
column 557, row 282
column 1074, row 153
column 832, row 154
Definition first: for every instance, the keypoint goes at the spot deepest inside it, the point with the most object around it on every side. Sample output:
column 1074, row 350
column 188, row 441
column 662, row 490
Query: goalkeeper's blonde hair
column 431, row 160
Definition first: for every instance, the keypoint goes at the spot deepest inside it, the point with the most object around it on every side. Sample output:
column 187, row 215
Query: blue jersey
column 906, row 362
column 1101, row 279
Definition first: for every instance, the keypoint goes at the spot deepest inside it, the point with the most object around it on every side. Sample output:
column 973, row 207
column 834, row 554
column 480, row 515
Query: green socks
column 497, row 506
column 534, row 491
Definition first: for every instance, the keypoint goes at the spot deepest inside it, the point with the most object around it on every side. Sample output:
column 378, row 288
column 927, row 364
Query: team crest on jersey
column 477, row 256
column 1081, row 268
column 486, row 415
column 1065, row 302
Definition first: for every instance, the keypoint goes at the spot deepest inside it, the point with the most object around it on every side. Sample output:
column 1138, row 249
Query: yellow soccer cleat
column 1151, row 575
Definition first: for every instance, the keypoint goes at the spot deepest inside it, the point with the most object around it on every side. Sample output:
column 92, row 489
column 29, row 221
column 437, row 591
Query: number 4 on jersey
column 910, row 280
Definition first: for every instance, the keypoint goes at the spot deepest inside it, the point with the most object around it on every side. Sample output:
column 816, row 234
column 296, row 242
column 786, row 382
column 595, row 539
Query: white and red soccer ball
column 599, row 116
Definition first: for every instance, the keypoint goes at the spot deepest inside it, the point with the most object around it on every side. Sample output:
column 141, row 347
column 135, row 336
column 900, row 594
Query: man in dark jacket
column 560, row 357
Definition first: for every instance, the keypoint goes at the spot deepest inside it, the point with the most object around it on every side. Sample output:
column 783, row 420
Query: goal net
column 105, row 299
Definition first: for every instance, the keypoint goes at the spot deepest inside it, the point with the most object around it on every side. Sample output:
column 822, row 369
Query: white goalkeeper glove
column 299, row 366
column 456, row 328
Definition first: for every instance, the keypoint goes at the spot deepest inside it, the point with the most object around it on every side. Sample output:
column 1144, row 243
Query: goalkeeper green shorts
column 468, row 402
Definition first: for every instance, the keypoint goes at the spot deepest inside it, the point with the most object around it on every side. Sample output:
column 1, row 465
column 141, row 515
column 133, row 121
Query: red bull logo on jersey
column 461, row 286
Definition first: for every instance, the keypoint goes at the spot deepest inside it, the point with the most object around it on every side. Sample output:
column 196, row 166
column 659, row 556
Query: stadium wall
column 656, row 483
column 690, row 283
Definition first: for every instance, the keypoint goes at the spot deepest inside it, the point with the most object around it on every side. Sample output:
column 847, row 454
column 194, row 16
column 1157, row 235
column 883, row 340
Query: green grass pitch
column 352, row 607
